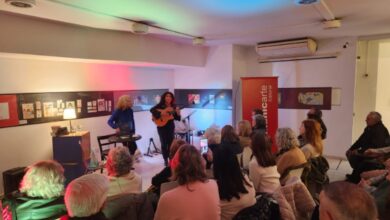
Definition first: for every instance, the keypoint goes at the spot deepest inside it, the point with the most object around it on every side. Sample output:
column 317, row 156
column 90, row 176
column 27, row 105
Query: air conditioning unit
column 286, row 48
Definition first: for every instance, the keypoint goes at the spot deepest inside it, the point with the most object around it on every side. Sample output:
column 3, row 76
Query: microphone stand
column 188, row 117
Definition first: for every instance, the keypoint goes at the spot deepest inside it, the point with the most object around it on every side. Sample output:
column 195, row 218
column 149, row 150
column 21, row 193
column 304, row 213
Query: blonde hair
column 213, row 135
column 43, row 179
column 122, row 102
column 244, row 128
column 86, row 195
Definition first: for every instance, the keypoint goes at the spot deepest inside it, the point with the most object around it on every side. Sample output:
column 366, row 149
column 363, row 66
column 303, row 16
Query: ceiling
column 221, row 21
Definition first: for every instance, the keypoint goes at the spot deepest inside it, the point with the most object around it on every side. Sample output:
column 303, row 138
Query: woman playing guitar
column 163, row 115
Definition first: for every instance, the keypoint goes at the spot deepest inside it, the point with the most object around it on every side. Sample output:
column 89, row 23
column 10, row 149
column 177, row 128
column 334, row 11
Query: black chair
column 105, row 144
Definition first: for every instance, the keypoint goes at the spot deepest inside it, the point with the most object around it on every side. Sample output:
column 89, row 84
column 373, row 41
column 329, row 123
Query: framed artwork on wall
column 8, row 111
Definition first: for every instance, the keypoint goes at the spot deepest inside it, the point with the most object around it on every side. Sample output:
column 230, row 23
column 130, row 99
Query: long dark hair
column 228, row 135
column 190, row 168
column 162, row 100
column 228, row 175
column 261, row 149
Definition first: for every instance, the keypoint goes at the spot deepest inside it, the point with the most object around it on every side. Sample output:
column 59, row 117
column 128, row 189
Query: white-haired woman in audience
column 85, row 197
column 41, row 193
column 244, row 132
column 196, row 197
column 236, row 191
column 289, row 154
column 213, row 136
column 122, row 178
column 262, row 167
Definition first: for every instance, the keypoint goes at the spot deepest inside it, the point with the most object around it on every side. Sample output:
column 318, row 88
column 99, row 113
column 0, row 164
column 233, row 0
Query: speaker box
column 12, row 178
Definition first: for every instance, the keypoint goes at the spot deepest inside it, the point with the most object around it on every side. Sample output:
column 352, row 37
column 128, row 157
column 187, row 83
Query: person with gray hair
column 120, row 174
column 85, row 197
column 375, row 135
column 343, row 200
column 213, row 136
column 289, row 155
column 41, row 193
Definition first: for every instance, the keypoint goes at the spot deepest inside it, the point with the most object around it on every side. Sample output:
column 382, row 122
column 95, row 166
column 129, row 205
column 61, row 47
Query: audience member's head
column 86, row 195
column 244, row 128
column 228, row 134
column 257, row 111
column 261, row 149
column 286, row 139
column 173, row 156
column 311, row 132
column 314, row 113
column 124, row 102
column 191, row 167
column 213, row 135
column 343, row 200
column 44, row 179
column 176, row 144
column 228, row 175
column 373, row 118
column 119, row 161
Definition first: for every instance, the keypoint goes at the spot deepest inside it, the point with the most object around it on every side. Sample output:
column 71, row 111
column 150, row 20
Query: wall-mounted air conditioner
column 286, row 48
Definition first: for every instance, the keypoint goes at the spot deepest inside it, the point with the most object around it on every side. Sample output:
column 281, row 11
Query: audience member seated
column 122, row 178
column 230, row 139
column 377, row 183
column 258, row 121
column 289, row 155
column 196, row 197
column 343, row 200
column 165, row 174
column 85, row 197
column 375, row 135
column 213, row 136
column 41, row 194
column 314, row 176
column 236, row 191
column 262, row 167
column 311, row 133
column 315, row 114
column 244, row 132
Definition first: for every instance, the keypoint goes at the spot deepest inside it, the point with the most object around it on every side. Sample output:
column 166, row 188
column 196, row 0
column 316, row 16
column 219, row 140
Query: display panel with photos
column 204, row 98
column 305, row 98
column 143, row 100
column 46, row 107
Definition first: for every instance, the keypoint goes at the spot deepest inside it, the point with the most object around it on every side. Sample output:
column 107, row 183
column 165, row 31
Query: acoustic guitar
column 166, row 115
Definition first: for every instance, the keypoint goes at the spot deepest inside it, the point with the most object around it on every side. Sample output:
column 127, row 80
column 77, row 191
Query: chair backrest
column 168, row 186
column 105, row 144
column 265, row 208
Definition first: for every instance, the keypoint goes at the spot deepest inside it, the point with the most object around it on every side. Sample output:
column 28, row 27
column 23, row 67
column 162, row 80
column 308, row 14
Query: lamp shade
column 69, row 113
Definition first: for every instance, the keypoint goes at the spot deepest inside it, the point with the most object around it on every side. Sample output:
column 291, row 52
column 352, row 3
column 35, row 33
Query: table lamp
column 69, row 114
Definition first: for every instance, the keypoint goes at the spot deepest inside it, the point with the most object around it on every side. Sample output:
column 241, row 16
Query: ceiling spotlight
column 306, row 2
column 139, row 28
column 21, row 3
column 198, row 41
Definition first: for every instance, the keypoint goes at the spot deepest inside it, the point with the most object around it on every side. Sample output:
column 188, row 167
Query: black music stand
column 150, row 152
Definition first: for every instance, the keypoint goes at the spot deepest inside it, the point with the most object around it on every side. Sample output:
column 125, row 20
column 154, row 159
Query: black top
column 161, row 177
column 157, row 114
column 374, row 136
column 97, row 216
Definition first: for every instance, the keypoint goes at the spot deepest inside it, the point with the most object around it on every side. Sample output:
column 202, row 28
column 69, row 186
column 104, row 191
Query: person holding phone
column 164, row 113
column 122, row 120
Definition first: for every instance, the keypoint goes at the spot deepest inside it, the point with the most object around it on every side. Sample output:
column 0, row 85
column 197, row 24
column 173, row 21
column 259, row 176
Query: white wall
column 383, row 88
column 338, row 73
column 217, row 74
column 23, row 145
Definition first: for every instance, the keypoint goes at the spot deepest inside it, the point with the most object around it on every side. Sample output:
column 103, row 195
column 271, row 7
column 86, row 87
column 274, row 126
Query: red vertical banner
column 261, row 93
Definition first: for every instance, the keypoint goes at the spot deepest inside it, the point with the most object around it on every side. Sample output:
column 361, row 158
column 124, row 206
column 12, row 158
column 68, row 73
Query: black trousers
column 166, row 134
